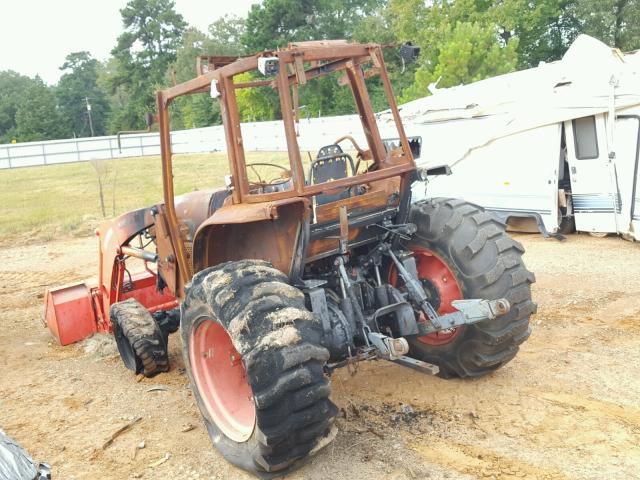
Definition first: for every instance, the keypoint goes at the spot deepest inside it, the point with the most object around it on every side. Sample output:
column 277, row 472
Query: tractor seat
column 217, row 199
column 329, row 150
column 331, row 164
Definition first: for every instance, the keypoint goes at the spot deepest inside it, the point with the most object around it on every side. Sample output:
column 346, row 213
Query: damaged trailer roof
column 579, row 85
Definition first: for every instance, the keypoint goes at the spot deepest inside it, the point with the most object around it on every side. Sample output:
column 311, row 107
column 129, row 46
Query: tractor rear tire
column 485, row 262
column 254, row 359
column 141, row 343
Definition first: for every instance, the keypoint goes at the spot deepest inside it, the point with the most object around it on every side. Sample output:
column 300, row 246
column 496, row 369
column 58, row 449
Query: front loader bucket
column 69, row 313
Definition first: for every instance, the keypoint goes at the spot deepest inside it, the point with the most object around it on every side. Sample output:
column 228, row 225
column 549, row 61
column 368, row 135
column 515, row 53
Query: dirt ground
column 566, row 408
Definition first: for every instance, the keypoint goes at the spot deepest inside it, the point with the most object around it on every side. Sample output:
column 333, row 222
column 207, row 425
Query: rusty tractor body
column 281, row 277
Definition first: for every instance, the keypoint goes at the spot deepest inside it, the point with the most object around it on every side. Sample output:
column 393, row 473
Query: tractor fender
column 193, row 208
column 275, row 231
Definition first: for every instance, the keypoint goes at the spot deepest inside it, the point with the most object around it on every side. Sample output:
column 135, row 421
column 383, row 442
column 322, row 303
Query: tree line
column 461, row 41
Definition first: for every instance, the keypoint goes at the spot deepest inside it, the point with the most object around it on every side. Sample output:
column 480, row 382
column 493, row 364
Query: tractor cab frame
column 286, row 209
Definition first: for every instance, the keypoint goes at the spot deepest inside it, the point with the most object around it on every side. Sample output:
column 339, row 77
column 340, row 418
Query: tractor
column 300, row 265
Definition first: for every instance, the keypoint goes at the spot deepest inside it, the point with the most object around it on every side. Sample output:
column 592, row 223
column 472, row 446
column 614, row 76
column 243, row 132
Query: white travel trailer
column 539, row 148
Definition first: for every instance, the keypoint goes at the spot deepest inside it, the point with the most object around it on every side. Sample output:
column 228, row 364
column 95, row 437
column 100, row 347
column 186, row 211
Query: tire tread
column 145, row 337
column 256, row 305
column 488, row 265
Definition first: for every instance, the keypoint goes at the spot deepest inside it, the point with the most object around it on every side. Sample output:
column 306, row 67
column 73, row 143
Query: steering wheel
column 284, row 177
column 362, row 154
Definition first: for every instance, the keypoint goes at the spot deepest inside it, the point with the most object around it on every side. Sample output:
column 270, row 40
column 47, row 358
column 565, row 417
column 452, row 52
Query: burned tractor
column 300, row 266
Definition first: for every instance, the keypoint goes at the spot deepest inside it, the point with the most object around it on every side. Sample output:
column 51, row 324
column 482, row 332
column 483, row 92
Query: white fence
column 258, row 136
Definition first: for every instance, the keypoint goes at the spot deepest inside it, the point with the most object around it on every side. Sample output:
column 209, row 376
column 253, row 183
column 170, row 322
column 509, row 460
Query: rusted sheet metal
column 366, row 201
column 318, row 248
column 251, row 212
column 269, row 231
column 193, row 208
column 325, row 50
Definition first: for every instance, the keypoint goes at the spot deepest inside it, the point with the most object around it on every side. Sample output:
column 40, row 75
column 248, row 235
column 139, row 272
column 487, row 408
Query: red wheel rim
column 434, row 269
column 221, row 380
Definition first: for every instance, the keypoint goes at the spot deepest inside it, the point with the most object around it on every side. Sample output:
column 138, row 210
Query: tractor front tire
column 141, row 343
column 253, row 356
column 463, row 252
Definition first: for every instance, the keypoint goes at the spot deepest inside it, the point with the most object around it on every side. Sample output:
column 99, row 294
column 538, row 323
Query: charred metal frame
column 323, row 58
column 313, row 246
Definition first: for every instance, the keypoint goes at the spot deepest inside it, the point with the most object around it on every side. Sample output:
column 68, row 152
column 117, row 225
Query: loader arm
column 74, row 312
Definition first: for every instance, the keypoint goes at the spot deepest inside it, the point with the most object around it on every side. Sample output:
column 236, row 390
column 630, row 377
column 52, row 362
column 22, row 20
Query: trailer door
column 627, row 146
column 593, row 189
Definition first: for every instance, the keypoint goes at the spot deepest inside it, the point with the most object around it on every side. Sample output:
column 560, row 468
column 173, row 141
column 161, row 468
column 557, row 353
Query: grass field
column 45, row 201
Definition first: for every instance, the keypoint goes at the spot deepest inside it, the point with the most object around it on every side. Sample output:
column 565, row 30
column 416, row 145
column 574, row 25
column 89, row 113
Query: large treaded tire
column 278, row 340
column 141, row 343
column 487, row 263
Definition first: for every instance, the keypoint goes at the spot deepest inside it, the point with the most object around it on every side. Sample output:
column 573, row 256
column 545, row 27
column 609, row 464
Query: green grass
column 46, row 201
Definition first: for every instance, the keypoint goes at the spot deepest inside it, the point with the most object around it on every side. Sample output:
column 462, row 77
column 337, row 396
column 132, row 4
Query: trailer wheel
column 141, row 343
column 253, row 356
column 463, row 252
column 566, row 225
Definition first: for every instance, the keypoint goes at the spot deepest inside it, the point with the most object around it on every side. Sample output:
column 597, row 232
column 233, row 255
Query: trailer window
column 585, row 138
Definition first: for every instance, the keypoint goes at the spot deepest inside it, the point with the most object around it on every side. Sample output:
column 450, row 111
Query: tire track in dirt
column 481, row 462
column 628, row 415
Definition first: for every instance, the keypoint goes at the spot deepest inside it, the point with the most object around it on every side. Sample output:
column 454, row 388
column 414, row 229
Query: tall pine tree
column 153, row 32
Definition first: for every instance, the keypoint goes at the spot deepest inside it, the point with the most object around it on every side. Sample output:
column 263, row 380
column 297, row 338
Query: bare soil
column 566, row 408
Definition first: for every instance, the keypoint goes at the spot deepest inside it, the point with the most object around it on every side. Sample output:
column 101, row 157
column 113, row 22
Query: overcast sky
column 36, row 35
